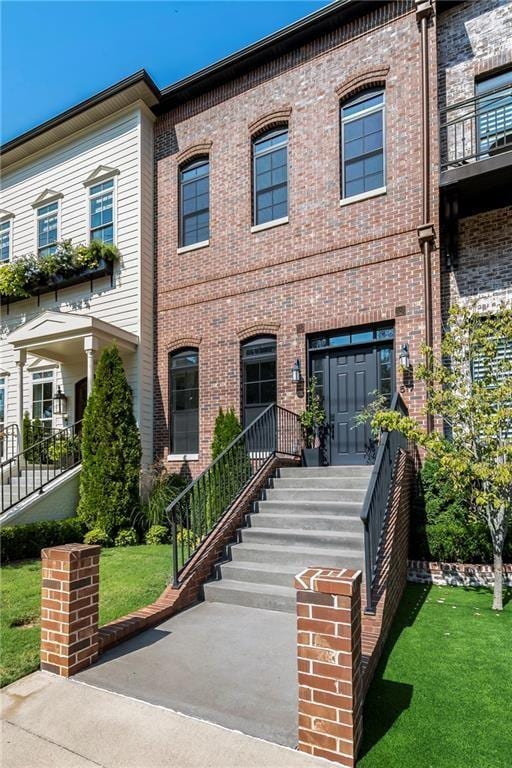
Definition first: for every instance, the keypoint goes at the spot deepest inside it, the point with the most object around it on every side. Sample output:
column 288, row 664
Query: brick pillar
column 329, row 662
column 69, row 608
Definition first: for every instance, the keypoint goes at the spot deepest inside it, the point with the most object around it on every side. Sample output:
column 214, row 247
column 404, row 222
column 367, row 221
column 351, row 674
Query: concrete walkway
column 49, row 721
column 227, row 664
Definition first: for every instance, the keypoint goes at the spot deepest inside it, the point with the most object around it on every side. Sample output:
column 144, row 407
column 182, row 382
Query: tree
column 470, row 389
column 111, row 450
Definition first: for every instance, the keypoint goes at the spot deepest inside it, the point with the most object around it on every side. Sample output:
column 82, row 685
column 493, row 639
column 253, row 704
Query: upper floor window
column 6, row 240
column 270, row 176
column 362, row 143
column 494, row 113
column 101, row 212
column 195, row 202
column 47, row 229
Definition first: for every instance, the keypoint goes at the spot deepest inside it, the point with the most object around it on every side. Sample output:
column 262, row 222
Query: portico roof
column 60, row 336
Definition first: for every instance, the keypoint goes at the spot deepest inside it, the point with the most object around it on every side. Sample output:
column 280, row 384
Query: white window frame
column 357, row 116
column 7, row 224
column 43, row 380
column 90, row 185
column 44, row 204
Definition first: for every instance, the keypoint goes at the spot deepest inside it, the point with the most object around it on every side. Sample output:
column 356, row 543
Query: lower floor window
column 42, row 396
column 259, row 376
column 184, row 401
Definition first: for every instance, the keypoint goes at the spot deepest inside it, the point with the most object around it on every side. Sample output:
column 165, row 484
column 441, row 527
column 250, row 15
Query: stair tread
column 263, row 567
column 299, row 531
column 249, row 586
column 310, row 503
column 296, row 550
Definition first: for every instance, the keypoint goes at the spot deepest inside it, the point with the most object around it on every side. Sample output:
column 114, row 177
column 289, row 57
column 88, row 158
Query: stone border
column 455, row 574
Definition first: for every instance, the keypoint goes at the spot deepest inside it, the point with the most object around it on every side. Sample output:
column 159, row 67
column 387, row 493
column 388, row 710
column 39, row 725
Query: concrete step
column 311, row 507
column 298, row 557
column 267, row 596
column 359, row 470
column 306, row 522
column 260, row 573
column 310, row 483
column 295, row 538
column 314, row 494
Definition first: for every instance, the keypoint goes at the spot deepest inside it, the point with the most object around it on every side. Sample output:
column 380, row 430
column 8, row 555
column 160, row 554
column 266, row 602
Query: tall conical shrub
column 111, row 450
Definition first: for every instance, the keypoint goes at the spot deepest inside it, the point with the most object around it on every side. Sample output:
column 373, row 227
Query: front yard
column 130, row 578
column 441, row 696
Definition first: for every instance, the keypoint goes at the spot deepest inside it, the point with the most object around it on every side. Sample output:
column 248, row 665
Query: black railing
column 198, row 509
column 9, row 441
column 477, row 128
column 37, row 465
column 377, row 496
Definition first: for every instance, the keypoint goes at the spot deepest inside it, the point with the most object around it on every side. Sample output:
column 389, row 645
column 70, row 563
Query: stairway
column 308, row 517
column 31, row 477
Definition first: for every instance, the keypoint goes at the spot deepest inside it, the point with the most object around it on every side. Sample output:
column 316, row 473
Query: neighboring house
column 85, row 175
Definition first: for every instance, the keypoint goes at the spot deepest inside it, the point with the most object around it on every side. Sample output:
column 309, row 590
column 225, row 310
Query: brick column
column 329, row 662
column 69, row 608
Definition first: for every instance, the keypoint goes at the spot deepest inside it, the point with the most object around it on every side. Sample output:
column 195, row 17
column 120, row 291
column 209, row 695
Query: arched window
column 363, row 143
column 270, row 176
column 184, row 401
column 195, row 202
column 259, row 376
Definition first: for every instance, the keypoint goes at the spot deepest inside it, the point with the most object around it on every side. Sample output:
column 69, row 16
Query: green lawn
column 130, row 578
column 442, row 695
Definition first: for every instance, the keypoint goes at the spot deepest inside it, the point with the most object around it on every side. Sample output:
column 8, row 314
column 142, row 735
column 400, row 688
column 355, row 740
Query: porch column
column 20, row 360
column 91, row 346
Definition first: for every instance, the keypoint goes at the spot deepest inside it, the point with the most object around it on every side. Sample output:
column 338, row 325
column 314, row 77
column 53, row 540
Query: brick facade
column 330, row 266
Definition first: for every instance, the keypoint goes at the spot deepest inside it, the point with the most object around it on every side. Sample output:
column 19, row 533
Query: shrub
column 20, row 542
column 164, row 487
column 127, row 537
column 187, row 539
column 111, row 450
column 227, row 427
column 63, row 448
column 98, row 536
column 157, row 534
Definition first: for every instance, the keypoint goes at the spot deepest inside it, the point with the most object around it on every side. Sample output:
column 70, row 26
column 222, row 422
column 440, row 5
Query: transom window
column 47, row 229
column 195, row 202
column 362, row 143
column 101, row 212
column 259, row 376
column 270, row 176
column 184, row 395
column 42, row 396
column 5, row 241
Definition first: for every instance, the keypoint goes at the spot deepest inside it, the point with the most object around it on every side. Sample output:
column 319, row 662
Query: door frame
column 79, row 383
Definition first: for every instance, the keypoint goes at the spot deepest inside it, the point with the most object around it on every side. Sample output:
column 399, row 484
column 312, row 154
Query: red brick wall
column 331, row 266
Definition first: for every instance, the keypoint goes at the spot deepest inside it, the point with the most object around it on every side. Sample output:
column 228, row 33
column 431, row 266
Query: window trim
column 44, row 204
column 346, row 101
column 42, row 381
column 260, row 338
column 9, row 220
column 88, row 187
column 177, row 455
column 260, row 136
column 188, row 164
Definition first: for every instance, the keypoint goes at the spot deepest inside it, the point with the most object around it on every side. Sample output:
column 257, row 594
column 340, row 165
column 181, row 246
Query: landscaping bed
column 130, row 578
column 440, row 695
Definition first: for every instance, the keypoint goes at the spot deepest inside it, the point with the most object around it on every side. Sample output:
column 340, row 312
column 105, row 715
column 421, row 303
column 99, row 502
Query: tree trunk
column 497, row 603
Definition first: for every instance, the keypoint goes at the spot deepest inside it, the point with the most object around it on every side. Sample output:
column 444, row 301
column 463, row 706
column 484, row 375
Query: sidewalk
column 66, row 724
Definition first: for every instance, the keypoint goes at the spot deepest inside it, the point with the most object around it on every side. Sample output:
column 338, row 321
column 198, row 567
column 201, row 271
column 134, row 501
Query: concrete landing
column 227, row 664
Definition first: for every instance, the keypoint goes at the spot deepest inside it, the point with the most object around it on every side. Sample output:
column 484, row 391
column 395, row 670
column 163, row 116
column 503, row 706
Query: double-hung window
column 195, row 202
column 363, row 144
column 47, row 229
column 101, row 212
column 6, row 240
column 184, row 396
column 42, row 397
column 270, row 176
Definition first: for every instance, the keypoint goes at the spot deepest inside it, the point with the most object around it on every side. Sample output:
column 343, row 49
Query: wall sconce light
column 60, row 402
column 405, row 360
column 296, row 374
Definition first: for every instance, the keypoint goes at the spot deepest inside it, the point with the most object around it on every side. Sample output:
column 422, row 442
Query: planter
column 311, row 457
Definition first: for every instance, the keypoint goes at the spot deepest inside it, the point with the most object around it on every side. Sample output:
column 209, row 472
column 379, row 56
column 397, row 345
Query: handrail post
column 174, row 536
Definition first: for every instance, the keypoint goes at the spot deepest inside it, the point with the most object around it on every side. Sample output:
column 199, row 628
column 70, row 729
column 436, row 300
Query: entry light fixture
column 60, row 402
column 296, row 375
column 405, row 360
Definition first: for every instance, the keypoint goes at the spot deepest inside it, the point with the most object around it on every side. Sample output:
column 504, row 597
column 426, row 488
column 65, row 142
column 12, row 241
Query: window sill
column 269, row 224
column 364, row 196
column 193, row 247
column 183, row 457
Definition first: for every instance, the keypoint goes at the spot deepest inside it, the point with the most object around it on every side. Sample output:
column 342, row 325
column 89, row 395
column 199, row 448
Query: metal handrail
column 463, row 139
column 200, row 507
column 9, row 437
column 376, row 500
column 30, row 470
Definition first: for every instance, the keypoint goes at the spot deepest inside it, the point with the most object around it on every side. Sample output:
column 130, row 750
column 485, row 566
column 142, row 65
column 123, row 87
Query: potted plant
column 312, row 419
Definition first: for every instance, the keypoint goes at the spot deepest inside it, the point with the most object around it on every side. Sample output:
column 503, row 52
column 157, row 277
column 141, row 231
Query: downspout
column 424, row 12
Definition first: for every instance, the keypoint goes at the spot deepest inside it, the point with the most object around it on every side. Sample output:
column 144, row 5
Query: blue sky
column 55, row 54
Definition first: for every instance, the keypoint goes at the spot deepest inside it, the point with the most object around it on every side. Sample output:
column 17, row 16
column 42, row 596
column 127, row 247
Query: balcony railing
column 476, row 129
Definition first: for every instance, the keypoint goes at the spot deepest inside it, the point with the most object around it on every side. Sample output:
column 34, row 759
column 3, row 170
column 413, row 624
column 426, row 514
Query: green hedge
column 21, row 542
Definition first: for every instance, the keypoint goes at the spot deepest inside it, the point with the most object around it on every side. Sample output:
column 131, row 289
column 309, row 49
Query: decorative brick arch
column 184, row 343
column 370, row 78
column 258, row 329
column 270, row 120
column 196, row 150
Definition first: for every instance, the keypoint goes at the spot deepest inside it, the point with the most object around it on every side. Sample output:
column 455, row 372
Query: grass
column 130, row 578
column 441, row 696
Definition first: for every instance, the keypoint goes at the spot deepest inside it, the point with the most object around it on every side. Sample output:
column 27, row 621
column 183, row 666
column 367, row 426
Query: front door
column 80, row 399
